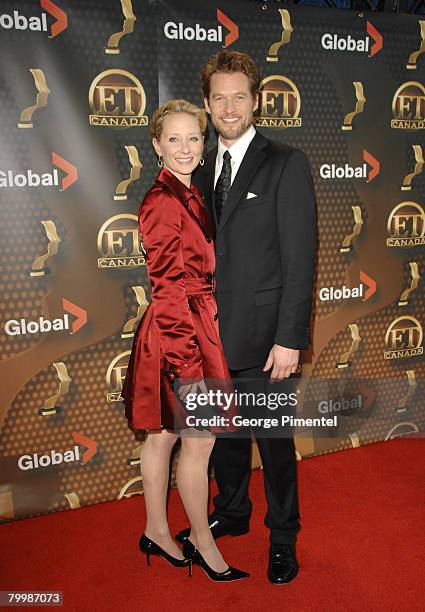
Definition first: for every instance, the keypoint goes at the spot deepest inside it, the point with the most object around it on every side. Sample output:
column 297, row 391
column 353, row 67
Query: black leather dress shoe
column 219, row 528
column 283, row 564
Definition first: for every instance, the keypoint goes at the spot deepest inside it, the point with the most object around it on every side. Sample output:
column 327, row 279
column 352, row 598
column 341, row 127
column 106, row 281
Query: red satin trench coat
column 178, row 335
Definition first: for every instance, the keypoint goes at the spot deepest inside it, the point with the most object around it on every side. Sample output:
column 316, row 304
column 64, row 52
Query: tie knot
column 226, row 156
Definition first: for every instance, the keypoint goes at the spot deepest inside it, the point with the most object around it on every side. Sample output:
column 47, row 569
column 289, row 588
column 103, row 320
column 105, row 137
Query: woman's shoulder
column 160, row 199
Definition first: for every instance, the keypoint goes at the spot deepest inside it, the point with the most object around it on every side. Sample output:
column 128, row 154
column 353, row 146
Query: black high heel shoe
column 149, row 547
column 195, row 558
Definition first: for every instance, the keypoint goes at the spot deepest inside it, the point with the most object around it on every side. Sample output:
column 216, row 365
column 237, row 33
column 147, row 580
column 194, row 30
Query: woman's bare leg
column 155, row 465
column 192, row 481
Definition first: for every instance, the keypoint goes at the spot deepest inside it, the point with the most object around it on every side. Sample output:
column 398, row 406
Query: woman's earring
column 201, row 161
column 160, row 162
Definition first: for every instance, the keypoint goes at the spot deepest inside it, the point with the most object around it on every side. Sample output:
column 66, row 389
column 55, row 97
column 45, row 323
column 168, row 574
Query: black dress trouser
column 232, row 467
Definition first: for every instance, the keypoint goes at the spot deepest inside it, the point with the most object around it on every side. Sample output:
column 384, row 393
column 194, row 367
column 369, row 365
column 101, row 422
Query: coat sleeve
column 296, row 218
column 160, row 226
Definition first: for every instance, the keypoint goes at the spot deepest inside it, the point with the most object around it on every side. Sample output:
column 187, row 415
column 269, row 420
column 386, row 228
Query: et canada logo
column 279, row 103
column 54, row 457
column 17, row 20
column 406, row 225
column 119, row 243
column 180, row 31
column 42, row 325
column 117, row 99
column 115, row 376
column 370, row 44
column 364, row 290
column 403, row 338
column 333, row 171
column 409, row 107
column 30, row 178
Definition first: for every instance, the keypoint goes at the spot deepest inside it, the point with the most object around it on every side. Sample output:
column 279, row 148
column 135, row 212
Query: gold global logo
column 406, row 225
column 279, row 103
column 409, row 107
column 403, row 338
column 117, row 99
column 115, row 376
column 119, row 243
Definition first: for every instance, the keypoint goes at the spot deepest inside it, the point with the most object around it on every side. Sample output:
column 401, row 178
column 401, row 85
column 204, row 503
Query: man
column 260, row 194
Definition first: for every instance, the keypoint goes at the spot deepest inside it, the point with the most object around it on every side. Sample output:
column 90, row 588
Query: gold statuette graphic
column 136, row 166
column 130, row 483
column 407, row 181
column 403, row 401
column 136, row 456
column 348, row 119
column 344, row 360
column 346, row 245
column 50, row 407
column 41, row 100
column 287, row 30
column 401, row 429
column 403, row 301
column 127, row 28
column 354, row 439
column 39, row 267
column 411, row 62
column 73, row 500
column 130, row 326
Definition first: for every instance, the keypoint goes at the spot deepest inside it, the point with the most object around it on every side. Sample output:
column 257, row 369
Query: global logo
column 30, row 178
column 54, row 457
column 364, row 290
column 19, row 21
column 43, row 325
column 334, row 42
column 181, row 31
column 333, row 171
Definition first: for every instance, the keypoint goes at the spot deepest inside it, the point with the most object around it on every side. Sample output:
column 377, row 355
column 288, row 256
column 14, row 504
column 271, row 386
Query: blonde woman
column 177, row 341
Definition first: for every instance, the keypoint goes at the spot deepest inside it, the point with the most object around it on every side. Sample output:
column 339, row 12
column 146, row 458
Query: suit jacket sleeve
column 296, row 217
column 160, row 226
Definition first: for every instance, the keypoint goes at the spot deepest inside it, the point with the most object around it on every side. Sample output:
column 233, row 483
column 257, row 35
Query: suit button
column 216, row 316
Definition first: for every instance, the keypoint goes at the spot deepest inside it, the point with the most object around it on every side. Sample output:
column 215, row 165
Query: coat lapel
column 254, row 156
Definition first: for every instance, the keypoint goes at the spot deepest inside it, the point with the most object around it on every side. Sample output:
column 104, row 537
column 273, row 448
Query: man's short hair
column 230, row 61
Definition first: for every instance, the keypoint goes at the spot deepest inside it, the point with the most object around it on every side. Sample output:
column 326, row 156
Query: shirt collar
column 238, row 149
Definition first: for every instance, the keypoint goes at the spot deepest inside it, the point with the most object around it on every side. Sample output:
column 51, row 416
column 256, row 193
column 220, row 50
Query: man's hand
column 284, row 362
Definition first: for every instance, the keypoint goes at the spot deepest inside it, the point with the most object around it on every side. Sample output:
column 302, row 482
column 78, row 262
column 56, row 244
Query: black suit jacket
column 265, row 250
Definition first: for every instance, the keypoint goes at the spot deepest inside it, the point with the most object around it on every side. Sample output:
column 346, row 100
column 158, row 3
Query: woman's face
column 180, row 145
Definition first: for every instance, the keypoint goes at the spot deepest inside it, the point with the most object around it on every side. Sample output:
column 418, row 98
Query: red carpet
column 361, row 546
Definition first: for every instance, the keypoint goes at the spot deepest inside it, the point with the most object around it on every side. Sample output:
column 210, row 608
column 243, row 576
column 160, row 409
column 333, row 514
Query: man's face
column 231, row 105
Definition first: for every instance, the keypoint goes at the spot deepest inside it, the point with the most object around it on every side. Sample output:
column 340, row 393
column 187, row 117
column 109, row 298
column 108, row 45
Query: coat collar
column 190, row 197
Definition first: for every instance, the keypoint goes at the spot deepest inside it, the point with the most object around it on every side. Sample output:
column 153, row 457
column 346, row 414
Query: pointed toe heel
column 149, row 547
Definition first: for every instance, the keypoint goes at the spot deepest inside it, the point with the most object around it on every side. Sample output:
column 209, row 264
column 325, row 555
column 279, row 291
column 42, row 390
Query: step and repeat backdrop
column 79, row 83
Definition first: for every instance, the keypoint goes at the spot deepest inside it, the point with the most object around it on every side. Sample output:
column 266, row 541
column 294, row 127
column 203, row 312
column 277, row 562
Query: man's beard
column 229, row 133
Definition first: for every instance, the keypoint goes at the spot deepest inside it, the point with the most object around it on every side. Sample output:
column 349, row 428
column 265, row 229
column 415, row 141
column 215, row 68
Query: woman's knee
column 199, row 447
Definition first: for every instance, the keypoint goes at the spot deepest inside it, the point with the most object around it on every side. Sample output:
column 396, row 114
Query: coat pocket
column 267, row 296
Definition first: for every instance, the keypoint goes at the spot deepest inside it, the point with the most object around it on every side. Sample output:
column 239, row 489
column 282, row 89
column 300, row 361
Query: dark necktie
column 222, row 186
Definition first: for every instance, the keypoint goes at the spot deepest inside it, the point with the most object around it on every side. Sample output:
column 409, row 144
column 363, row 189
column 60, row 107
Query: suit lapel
column 254, row 156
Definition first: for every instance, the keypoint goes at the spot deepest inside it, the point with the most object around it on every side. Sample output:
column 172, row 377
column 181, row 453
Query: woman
column 177, row 343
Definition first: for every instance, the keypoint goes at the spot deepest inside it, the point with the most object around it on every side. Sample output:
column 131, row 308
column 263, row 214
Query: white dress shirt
column 237, row 152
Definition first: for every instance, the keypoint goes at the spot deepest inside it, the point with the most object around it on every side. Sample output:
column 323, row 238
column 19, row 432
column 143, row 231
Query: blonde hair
column 173, row 107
